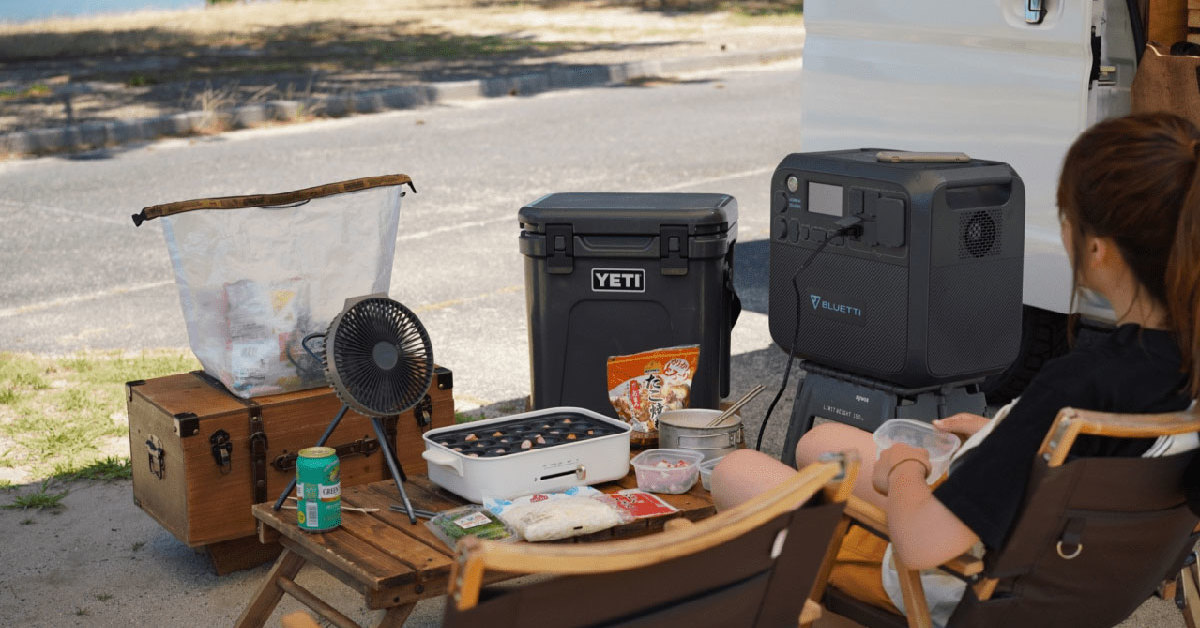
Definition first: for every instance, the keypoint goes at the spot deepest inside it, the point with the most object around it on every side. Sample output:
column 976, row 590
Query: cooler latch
column 673, row 249
column 560, row 249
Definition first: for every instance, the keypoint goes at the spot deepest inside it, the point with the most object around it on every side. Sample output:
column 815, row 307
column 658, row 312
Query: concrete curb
column 92, row 135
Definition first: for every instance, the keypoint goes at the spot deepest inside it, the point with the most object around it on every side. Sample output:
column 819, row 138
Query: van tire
column 1043, row 338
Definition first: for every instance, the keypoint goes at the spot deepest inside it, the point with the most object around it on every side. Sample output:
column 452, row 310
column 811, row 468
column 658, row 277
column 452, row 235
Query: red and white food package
column 640, row 504
column 644, row 385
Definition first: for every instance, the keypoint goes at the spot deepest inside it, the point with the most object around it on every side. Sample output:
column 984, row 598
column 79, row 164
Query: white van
column 1004, row 80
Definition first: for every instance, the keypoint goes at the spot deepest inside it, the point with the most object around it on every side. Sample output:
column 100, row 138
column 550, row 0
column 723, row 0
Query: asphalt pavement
column 78, row 275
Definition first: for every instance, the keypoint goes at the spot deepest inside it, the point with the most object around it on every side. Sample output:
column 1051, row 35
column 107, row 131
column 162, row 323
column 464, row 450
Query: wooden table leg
column 394, row 617
column 269, row 593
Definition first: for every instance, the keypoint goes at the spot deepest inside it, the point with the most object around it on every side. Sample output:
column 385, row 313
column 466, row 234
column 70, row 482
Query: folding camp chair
column 754, row 565
column 1095, row 538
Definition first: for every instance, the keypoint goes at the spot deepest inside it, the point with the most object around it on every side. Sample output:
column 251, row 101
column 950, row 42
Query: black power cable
column 850, row 226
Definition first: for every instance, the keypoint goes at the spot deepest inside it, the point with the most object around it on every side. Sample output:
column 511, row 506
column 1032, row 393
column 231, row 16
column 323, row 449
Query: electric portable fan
column 379, row 362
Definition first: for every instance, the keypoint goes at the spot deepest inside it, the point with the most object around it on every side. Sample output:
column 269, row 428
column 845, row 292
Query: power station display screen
column 825, row 199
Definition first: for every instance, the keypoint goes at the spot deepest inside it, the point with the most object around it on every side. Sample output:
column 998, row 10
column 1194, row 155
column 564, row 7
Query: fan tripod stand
column 393, row 466
column 378, row 360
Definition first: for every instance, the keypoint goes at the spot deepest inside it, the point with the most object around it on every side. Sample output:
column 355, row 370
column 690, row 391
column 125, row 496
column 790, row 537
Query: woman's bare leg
column 744, row 474
column 831, row 436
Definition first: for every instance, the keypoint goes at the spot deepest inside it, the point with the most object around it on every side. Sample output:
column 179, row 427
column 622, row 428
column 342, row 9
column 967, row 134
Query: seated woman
column 1129, row 204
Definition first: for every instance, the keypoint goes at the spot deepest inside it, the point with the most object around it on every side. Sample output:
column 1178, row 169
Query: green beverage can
column 318, row 489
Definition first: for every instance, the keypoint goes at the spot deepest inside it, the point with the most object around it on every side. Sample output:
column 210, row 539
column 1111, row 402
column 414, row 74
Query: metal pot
column 688, row 429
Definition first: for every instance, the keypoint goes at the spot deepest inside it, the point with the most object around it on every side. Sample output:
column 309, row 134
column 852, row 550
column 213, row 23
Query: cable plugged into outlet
column 850, row 227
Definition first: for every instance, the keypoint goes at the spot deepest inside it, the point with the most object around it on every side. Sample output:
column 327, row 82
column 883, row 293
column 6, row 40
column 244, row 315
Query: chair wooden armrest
column 874, row 519
column 1073, row 422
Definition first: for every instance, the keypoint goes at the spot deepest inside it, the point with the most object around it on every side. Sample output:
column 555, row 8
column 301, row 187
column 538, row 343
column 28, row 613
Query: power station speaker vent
column 979, row 234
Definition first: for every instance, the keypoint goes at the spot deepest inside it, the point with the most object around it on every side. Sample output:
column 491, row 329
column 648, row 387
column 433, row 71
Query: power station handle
column 979, row 181
column 271, row 200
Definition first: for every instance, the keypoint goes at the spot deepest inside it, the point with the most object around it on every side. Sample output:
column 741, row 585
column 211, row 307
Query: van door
column 1006, row 80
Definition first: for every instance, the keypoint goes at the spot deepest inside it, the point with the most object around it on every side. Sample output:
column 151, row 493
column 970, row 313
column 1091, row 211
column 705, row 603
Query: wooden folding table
column 390, row 561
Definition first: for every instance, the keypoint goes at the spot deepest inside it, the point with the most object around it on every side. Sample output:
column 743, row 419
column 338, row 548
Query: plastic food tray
column 670, row 471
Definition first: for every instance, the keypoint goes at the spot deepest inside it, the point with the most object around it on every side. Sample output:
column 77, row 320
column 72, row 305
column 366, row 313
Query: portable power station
column 928, row 293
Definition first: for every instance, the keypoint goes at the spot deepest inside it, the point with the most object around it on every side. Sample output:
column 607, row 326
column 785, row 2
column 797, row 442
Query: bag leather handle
column 271, row 200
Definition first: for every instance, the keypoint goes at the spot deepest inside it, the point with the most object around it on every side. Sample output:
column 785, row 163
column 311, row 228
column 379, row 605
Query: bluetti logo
column 826, row 306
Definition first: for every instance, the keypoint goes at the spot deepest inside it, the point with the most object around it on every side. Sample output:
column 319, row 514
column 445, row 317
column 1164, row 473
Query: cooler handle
column 271, row 200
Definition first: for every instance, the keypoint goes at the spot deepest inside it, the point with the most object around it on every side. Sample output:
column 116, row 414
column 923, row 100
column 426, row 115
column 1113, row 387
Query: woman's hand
column 899, row 458
column 963, row 423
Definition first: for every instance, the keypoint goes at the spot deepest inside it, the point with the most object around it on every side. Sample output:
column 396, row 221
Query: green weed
column 110, row 468
column 43, row 499
column 103, row 597
column 37, row 90
column 137, row 545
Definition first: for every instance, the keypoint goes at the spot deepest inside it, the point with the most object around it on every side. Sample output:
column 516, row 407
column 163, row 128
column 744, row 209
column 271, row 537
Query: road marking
column 70, row 213
column 34, row 307
column 441, row 305
column 669, row 188
column 736, row 175
column 454, row 227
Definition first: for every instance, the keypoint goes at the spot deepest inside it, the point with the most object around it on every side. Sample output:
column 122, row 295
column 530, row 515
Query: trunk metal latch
column 222, row 450
column 155, row 449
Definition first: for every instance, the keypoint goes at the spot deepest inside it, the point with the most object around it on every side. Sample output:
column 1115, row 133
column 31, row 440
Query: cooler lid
column 630, row 213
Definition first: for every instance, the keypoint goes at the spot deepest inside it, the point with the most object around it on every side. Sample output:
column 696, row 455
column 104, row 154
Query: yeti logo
column 618, row 280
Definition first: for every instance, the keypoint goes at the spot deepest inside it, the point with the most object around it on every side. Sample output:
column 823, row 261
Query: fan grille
column 379, row 356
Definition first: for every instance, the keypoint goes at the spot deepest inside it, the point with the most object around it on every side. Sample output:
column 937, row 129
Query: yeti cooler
column 613, row 274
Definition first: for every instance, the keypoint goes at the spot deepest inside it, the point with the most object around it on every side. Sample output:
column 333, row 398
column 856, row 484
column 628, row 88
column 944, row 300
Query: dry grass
column 328, row 22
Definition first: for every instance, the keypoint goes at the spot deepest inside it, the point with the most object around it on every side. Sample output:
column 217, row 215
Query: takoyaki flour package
column 644, row 385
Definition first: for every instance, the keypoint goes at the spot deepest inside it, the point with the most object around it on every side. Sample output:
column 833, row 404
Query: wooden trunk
column 197, row 469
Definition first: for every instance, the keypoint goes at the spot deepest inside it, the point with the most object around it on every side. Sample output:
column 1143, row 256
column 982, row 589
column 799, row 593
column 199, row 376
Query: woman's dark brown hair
column 1136, row 180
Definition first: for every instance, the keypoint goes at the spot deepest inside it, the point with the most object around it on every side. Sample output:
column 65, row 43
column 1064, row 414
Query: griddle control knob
column 581, row 472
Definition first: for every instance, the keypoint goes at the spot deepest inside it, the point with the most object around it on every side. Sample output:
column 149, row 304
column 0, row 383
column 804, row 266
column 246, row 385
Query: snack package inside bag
column 644, row 385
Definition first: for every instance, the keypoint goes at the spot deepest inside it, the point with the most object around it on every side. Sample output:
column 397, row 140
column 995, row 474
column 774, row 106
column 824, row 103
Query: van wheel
column 1043, row 338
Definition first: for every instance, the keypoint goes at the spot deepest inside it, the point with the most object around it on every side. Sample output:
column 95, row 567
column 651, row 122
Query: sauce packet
column 640, row 504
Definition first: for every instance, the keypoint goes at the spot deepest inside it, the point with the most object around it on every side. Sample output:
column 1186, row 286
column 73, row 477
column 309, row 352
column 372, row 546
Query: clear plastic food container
column 706, row 469
column 940, row 445
column 670, row 471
